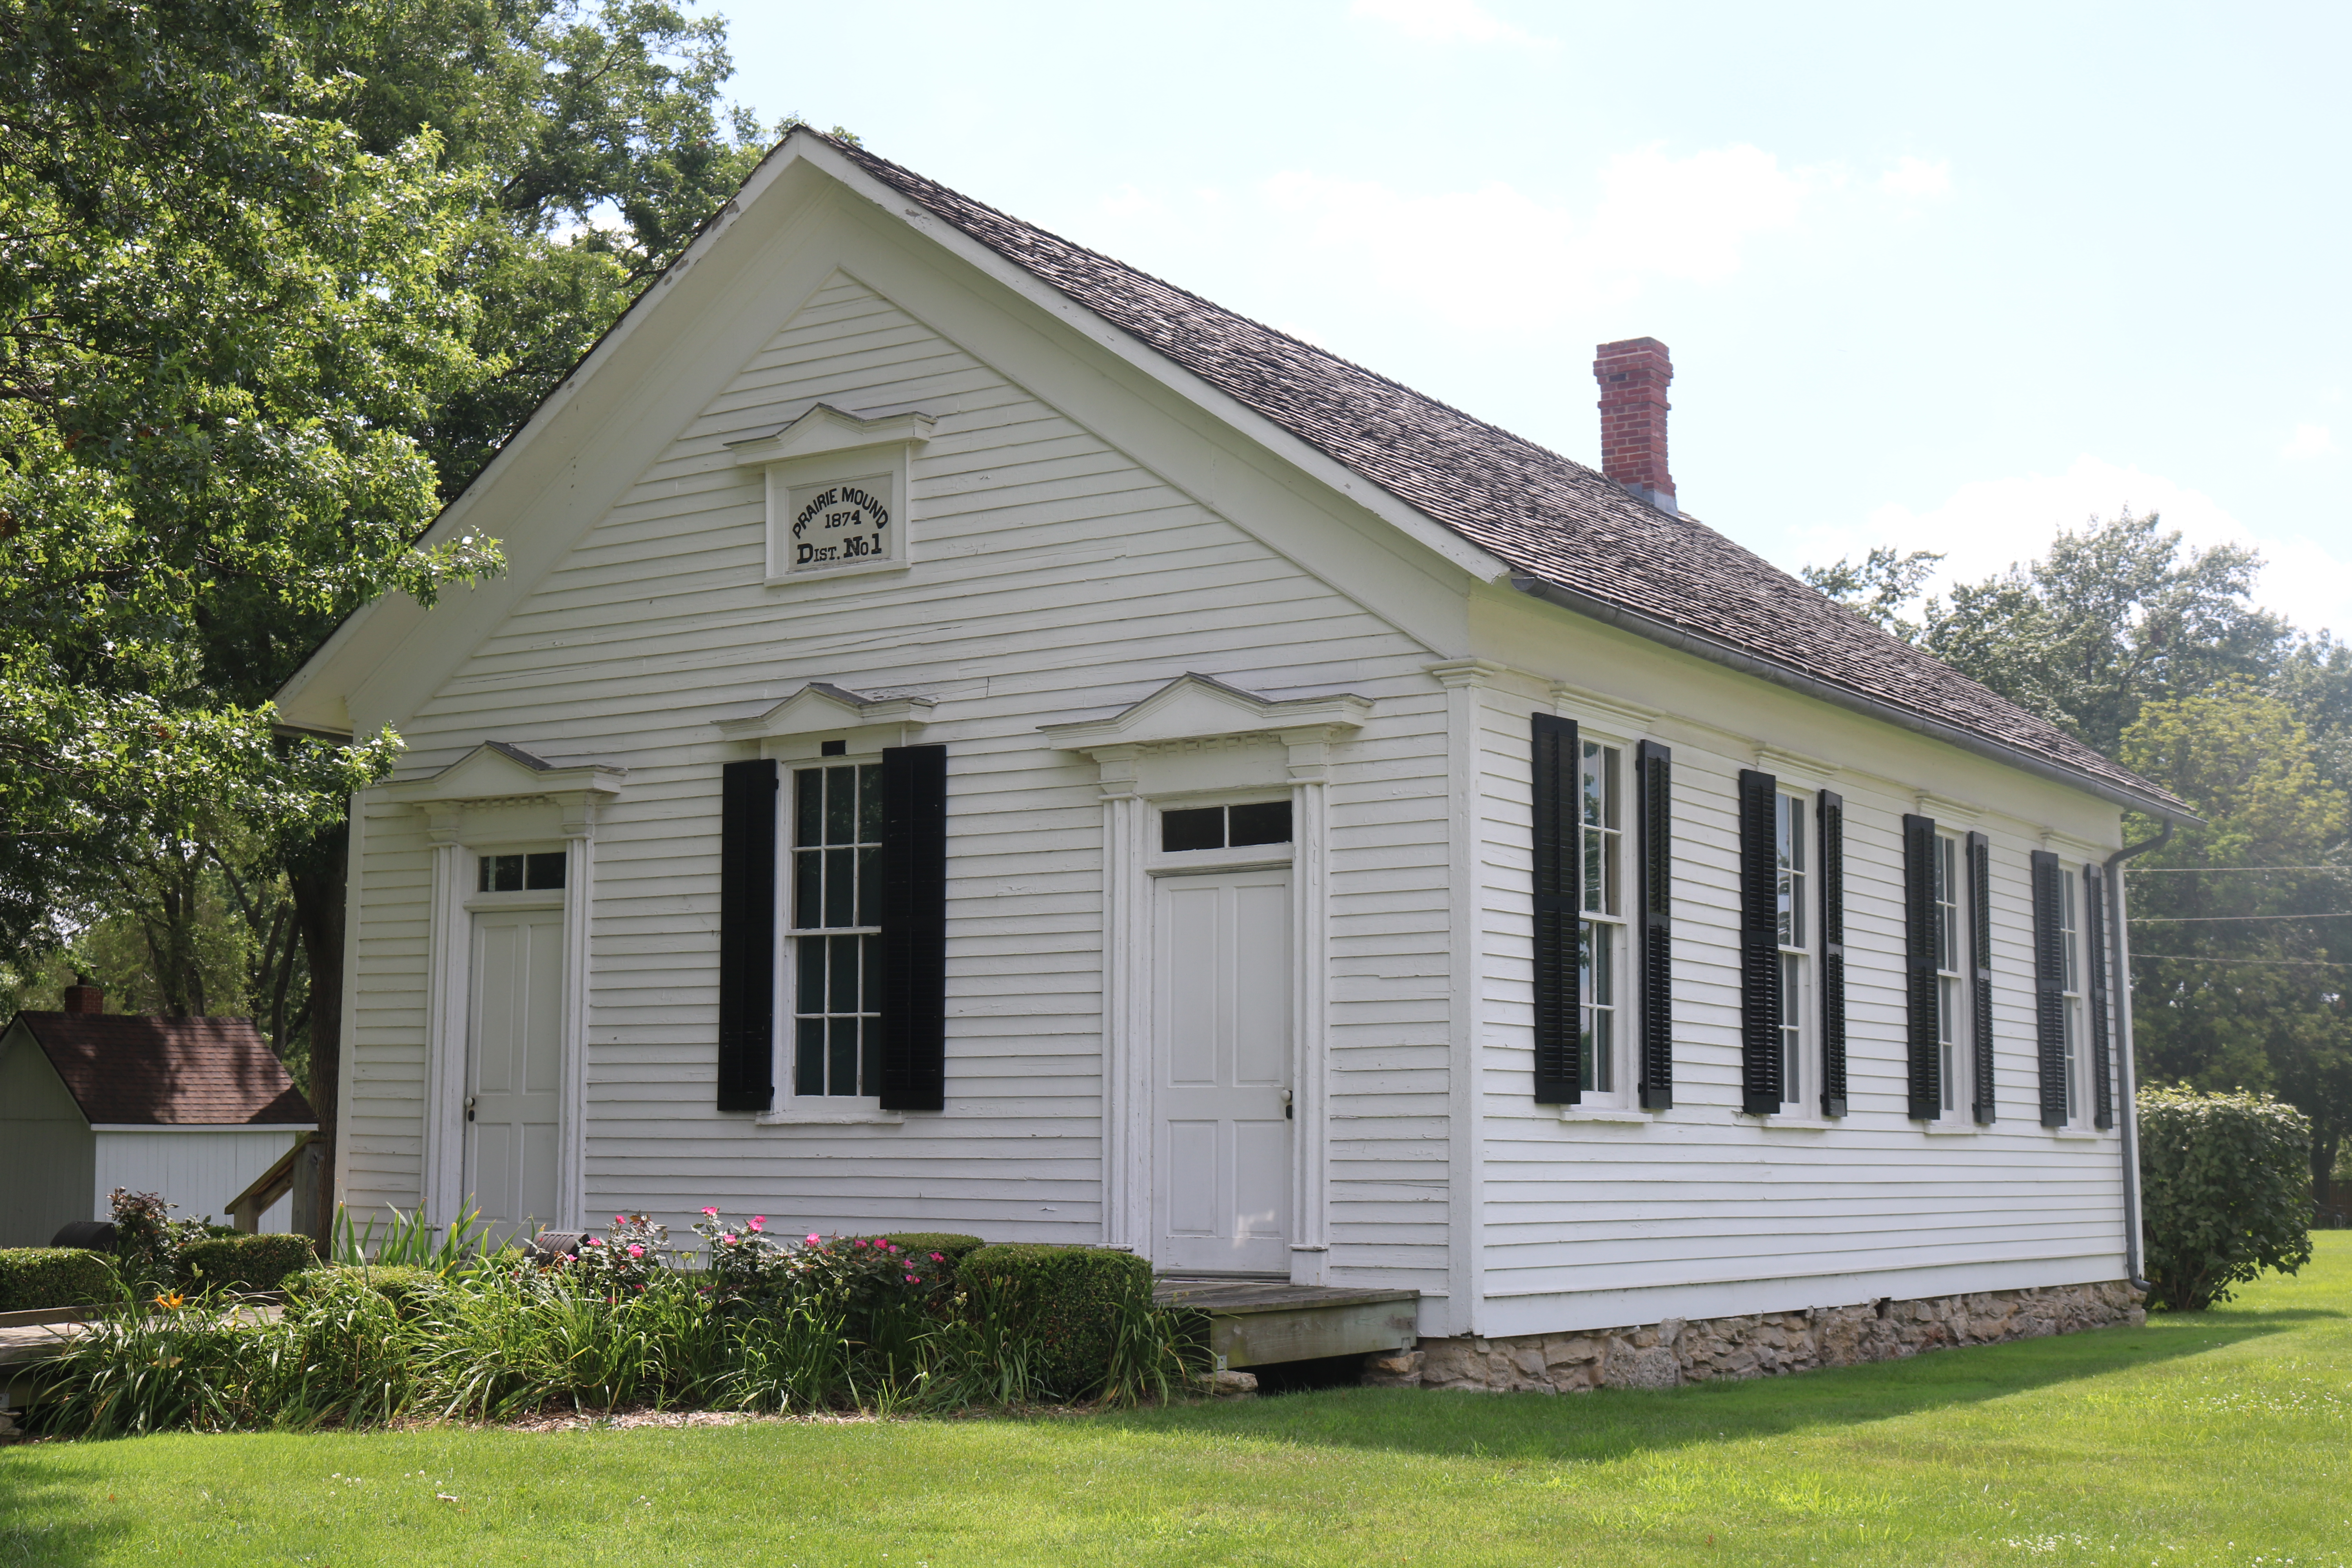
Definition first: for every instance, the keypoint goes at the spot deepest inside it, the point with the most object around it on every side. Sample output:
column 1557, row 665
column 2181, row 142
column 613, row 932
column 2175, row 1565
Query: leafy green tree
column 2223, row 1193
column 1879, row 586
column 2242, row 956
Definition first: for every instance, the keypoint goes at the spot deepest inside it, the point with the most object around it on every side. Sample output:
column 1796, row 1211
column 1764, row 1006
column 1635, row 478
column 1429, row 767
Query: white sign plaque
column 842, row 522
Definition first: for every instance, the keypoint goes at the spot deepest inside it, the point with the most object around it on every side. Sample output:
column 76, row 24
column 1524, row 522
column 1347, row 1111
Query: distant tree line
column 2158, row 656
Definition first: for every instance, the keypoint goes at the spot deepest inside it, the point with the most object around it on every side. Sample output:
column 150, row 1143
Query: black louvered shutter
column 2049, row 989
column 1760, row 945
column 1556, row 908
column 914, row 928
column 2094, row 952
column 747, row 935
column 1980, row 971
column 1919, row 964
column 1829, row 808
column 1654, row 780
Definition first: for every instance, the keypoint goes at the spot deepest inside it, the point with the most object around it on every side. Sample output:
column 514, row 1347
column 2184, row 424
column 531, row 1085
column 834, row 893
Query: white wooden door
column 1220, row 1060
column 514, row 1067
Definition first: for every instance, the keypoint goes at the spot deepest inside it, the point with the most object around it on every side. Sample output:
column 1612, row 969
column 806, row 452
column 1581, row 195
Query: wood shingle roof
column 1552, row 519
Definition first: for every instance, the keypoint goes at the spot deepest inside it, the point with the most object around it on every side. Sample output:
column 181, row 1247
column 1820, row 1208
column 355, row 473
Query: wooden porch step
column 1260, row 1323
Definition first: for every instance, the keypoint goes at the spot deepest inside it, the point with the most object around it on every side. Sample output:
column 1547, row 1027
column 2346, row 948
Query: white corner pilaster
column 1466, row 1273
column 1127, row 1000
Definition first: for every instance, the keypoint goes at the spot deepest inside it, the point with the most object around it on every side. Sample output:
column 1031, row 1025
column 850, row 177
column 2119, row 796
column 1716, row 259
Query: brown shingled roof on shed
column 128, row 1068
column 1550, row 518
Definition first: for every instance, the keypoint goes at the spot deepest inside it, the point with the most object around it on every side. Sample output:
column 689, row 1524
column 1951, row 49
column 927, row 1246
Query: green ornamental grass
column 2214, row 1438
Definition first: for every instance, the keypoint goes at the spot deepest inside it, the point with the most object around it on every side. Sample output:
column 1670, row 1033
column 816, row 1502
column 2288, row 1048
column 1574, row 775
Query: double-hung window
column 1603, row 1021
column 836, row 929
column 2071, row 942
column 1951, row 988
column 1792, row 887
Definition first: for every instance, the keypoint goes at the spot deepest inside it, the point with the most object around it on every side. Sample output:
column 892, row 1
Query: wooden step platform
column 1259, row 1322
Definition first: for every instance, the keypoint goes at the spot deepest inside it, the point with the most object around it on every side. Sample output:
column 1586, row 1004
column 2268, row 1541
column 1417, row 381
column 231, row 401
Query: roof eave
column 1721, row 653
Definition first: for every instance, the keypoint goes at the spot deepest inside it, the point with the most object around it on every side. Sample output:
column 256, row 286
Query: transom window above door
column 541, row 870
column 1225, row 826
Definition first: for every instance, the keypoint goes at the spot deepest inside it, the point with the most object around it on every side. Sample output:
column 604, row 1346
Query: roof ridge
column 873, row 160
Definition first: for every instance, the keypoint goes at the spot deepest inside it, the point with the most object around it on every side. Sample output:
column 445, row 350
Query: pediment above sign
column 1201, row 708
column 824, row 427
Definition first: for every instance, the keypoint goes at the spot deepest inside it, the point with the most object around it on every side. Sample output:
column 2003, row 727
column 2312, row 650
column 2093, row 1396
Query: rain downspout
column 2121, row 961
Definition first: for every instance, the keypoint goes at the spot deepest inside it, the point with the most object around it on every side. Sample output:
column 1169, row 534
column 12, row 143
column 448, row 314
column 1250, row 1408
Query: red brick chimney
column 83, row 996
column 1633, row 376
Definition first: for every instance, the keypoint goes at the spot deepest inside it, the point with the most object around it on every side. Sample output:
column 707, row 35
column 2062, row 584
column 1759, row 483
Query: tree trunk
column 315, row 877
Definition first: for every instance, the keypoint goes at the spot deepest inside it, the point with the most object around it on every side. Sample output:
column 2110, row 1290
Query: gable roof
column 1578, row 537
column 127, row 1068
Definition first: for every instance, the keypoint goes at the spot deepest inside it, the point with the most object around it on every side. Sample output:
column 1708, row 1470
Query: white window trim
column 1617, row 1102
column 1961, row 1115
column 2074, row 1000
column 1800, row 1094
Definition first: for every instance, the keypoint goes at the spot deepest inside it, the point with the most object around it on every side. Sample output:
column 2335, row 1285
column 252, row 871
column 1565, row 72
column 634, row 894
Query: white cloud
column 2309, row 441
column 1917, row 177
column 1443, row 21
column 1987, row 525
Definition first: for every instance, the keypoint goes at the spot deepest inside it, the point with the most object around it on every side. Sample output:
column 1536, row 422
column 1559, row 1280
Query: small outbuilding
column 195, row 1109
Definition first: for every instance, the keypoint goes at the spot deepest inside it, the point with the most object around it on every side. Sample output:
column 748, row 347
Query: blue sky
column 1944, row 278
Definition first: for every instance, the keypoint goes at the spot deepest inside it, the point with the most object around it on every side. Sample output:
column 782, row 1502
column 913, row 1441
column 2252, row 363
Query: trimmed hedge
column 246, row 1262
column 32, row 1278
column 1063, row 1303
column 2225, row 1192
column 946, row 1244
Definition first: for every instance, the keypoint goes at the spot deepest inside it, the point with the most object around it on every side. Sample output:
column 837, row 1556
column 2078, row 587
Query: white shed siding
column 47, row 1151
column 1703, row 1210
column 1056, row 577
column 197, row 1171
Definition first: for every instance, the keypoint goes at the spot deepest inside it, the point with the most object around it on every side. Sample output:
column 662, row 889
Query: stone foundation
column 1662, row 1355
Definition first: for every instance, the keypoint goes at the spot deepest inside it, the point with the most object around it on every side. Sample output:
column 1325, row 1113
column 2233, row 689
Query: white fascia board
column 316, row 697
column 1458, row 552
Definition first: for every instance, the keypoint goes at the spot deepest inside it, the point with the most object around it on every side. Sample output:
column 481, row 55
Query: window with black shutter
column 1760, row 945
column 1922, row 944
column 747, row 934
column 1559, row 996
column 1980, row 974
column 2050, row 987
column 1654, row 896
column 914, row 854
column 2095, row 952
column 1828, row 811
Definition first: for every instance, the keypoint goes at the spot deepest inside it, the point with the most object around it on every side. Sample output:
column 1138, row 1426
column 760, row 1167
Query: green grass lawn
column 2219, row 1438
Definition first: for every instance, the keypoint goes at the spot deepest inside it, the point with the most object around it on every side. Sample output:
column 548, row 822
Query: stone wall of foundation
column 1661, row 1355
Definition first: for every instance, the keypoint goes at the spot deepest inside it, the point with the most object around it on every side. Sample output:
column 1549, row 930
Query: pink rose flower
column 912, row 1280
column 620, row 1219
column 591, row 1241
column 856, row 1244
column 939, row 1257
column 712, row 1212
column 759, row 1222
column 812, row 1239
column 729, row 1237
column 635, row 1251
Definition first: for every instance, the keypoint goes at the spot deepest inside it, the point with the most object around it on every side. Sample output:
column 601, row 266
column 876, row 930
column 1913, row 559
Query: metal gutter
column 2129, row 1077
column 1723, row 653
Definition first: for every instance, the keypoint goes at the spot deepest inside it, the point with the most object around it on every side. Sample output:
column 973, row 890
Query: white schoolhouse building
column 972, row 737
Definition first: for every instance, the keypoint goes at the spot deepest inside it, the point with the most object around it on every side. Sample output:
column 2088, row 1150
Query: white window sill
column 2090, row 1134
column 1794, row 1123
column 1605, row 1113
column 844, row 1116
column 1951, row 1129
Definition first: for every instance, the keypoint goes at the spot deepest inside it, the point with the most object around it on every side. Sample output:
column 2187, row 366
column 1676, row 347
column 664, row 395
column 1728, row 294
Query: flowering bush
column 624, row 1259
column 147, row 1238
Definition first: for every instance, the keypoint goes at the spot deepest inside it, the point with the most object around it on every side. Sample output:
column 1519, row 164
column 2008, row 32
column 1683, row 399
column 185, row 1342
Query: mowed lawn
column 2219, row 1438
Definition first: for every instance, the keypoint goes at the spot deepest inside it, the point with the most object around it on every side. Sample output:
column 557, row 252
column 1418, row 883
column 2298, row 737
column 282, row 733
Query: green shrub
column 2225, row 1192
column 34, row 1278
column 1064, row 1306
column 245, row 1262
column 407, row 1287
column 953, row 1248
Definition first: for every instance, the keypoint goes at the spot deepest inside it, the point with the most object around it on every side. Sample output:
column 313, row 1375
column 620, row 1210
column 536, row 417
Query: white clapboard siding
column 1703, row 1196
column 1057, row 579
